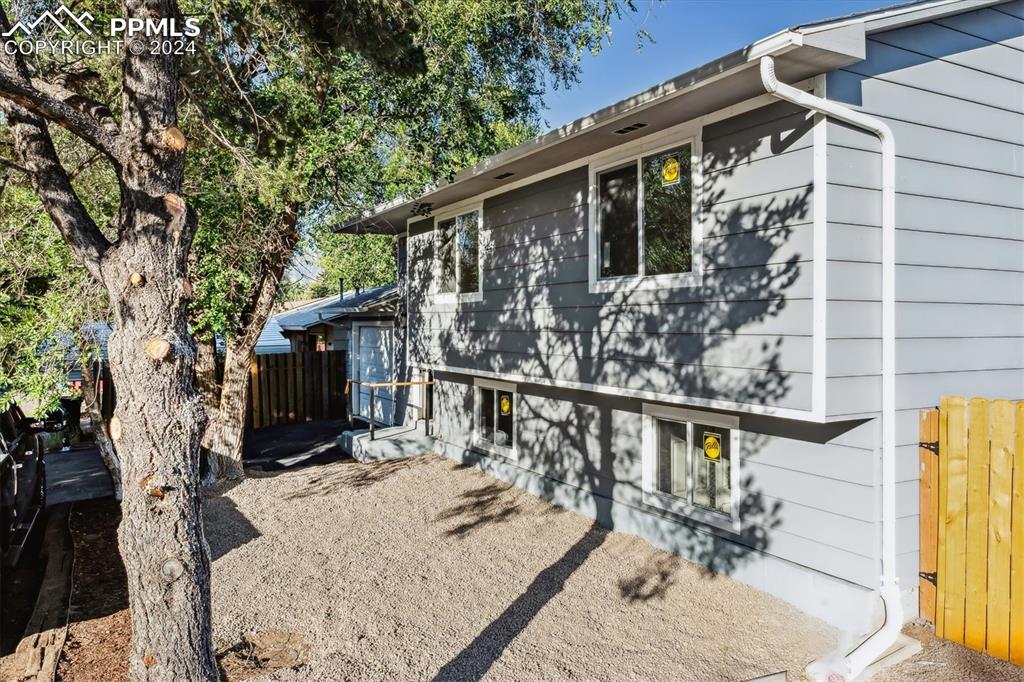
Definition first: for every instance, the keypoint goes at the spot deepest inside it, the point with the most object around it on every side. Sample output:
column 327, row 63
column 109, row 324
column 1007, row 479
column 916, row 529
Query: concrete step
column 392, row 442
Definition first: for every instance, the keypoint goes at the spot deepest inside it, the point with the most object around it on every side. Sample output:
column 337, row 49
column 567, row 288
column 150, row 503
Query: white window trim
column 688, row 133
column 455, row 297
column 511, row 452
column 675, row 505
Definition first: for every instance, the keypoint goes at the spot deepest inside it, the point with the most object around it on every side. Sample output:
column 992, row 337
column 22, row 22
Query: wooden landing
column 36, row 657
column 75, row 475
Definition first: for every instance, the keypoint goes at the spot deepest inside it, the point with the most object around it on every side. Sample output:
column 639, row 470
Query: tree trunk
column 152, row 360
column 93, row 404
column 158, row 418
column 212, row 468
column 225, row 433
column 224, row 438
column 206, row 371
column 156, row 426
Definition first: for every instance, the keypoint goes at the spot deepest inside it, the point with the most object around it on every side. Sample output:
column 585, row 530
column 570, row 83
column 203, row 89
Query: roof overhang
column 800, row 53
column 716, row 85
column 332, row 314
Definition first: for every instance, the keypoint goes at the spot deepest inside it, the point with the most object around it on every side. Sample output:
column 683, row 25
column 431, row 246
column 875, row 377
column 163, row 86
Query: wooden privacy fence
column 295, row 387
column 972, row 524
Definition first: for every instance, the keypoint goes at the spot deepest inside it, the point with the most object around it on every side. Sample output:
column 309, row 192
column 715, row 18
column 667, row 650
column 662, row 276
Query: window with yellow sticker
column 495, row 416
column 689, row 462
column 644, row 215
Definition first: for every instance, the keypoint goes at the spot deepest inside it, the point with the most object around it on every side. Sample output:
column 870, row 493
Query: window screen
column 666, row 215
column 496, row 417
column 506, row 406
column 712, row 463
column 618, row 228
column 694, row 463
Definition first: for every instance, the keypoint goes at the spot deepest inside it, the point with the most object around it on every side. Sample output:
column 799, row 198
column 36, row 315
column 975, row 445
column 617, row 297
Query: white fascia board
column 904, row 15
column 728, row 65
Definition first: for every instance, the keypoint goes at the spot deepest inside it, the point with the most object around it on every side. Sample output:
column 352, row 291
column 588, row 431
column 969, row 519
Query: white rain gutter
column 855, row 661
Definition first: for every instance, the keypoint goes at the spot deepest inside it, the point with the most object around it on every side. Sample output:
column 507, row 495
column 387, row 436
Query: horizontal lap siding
column 743, row 335
column 808, row 503
column 953, row 93
column 724, row 350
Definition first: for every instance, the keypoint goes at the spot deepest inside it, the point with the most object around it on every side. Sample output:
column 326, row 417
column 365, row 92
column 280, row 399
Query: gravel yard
column 420, row 569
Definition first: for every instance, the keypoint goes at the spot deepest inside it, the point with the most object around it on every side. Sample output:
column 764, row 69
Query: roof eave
column 800, row 56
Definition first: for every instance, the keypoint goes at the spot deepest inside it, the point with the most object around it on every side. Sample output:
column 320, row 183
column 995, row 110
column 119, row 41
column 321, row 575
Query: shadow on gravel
column 354, row 475
column 476, row 659
column 653, row 581
column 233, row 528
column 482, row 506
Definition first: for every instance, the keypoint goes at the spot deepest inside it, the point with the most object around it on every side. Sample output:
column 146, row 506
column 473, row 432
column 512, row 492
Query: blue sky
column 688, row 33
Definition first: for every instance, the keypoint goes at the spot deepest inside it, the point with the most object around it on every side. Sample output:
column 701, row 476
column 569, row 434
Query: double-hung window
column 494, row 426
column 645, row 231
column 458, row 254
column 691, row 464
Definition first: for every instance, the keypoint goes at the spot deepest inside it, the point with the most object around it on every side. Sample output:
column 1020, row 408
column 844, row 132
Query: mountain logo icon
column 70, row 21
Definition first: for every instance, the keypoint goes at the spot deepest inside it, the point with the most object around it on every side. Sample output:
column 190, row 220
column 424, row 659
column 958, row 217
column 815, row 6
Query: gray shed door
column 375, row 363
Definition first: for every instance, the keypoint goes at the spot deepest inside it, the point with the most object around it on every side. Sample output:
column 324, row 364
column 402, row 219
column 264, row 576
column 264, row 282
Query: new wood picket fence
column 295, row 387
column 972, row 524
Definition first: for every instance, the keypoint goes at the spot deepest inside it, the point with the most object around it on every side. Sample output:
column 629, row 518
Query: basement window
column 690, row 464
column 458, row 255
column 644, row 219
column 494, row 427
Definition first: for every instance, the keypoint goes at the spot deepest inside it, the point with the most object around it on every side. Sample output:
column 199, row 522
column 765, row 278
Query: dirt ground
column 418, row 570
column 99, row 630
column 941, row 660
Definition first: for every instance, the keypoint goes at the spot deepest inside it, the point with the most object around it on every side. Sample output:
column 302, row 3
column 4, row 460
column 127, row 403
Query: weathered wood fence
column 295, row 387
column 972, row 524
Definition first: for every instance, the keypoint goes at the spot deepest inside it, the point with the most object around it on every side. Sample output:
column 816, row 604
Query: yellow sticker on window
column 669, row 171
column 506, row 406
column 712, row 446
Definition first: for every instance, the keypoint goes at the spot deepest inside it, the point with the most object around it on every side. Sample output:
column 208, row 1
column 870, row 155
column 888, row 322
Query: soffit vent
column 504, row 175
column 630, row 128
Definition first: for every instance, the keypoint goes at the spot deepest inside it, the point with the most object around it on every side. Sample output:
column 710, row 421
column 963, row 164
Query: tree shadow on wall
column 741, row 335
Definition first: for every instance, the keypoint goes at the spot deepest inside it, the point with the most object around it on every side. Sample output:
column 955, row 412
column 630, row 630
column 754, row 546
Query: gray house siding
column 952, row 91
column 743, row 336
column 805, row 505
column 809, row 501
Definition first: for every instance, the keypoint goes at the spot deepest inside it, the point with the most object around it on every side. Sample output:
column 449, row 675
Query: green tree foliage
column 280, row 121
column 356, row 261
column 45, row 295
column 488, row 64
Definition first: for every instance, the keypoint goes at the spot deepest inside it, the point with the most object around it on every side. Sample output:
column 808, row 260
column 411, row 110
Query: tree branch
column 96, row 110
column 51, row 183
column 273, row 260
column 24, row 94
column 53, row 102
column 13, row 166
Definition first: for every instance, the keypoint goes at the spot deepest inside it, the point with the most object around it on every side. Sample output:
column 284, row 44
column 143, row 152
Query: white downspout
column 877, row 644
